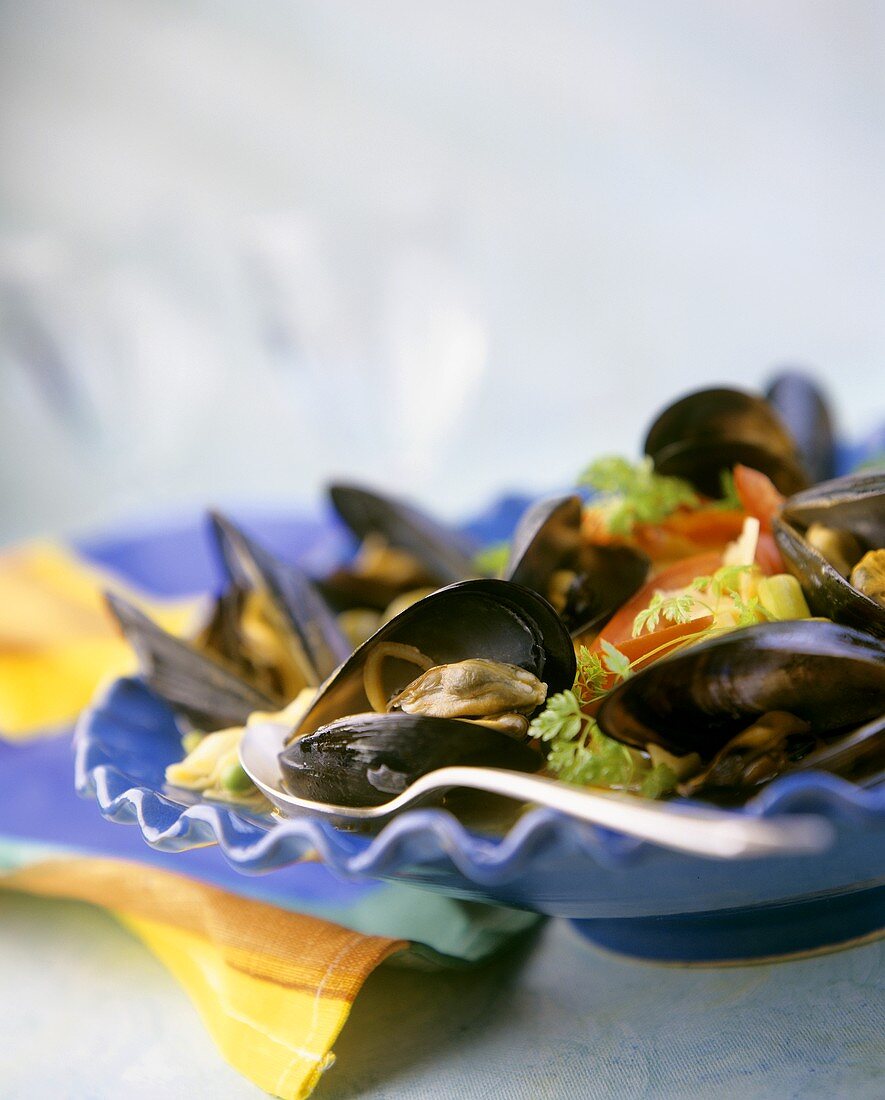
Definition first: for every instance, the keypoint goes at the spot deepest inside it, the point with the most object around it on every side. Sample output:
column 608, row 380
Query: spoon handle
column 701, row 830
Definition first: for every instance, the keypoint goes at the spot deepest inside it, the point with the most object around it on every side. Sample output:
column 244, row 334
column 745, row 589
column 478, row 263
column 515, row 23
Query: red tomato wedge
column 619, row 629
column 648, row 648
column 757, row 494
column 685, row 533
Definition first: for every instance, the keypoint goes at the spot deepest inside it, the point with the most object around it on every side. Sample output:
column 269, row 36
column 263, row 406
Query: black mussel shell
column 548, row 538
column 855, row 503
column 368, row 759
column 805, row 412
column 205, row 691
column 858, row 756
column 220, row 637
column 343, row 590
column 547, row 535
column 829, row 675
column 706, row 432
column 606, row 577
column 494, row 619
column 445, row 555
column 302, row 608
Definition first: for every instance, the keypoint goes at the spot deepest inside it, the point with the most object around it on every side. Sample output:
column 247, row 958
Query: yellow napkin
column 57, row 639
column 273, row 987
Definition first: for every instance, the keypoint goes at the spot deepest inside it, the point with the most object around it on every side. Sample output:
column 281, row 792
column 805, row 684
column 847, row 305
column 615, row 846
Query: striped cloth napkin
column 273, row 982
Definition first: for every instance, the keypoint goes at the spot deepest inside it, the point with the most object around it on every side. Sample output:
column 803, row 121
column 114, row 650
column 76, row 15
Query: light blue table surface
column 98, row 1017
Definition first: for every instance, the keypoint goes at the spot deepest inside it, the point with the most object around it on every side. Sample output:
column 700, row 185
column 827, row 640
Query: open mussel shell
column 858, row 756
column 829, row 675
column 548, row 539
column 855, row 504
column 548, row 534
column 805, row 412
column 314, row 631
column 369, row 759
column 444, row 554
column 493, row 619
column 205, row 691
column 708, row 431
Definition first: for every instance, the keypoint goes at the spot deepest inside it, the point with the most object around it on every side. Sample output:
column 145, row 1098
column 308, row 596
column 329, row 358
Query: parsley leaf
column 673, row 609
column 591, row 678
column 636, row 494
column 561, row 719
column 579, row 751
column 724, row 584
column 615, row 661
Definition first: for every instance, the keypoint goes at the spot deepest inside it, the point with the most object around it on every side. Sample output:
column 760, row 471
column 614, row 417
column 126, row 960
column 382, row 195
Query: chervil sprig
column 579, row 751
column 673, row 609
column 723, row 585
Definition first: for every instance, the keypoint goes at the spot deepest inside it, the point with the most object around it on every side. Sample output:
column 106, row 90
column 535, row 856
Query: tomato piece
column 768, row 555
column 757, row 494
column 619, row 628
column 648, row 648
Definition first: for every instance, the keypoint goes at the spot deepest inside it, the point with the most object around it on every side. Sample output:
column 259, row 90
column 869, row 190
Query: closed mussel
column 368, row 759
column 832, row 538
column 805, row 412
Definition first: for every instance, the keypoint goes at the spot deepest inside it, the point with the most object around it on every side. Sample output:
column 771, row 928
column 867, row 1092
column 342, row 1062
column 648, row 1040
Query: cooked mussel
column 711, row 430
column 831, row 537
column 402, row 549
column 453, row 679
column 493, row 620
column 829, row 676
column 208, row 691
column 858, row 756
column 269, row 636
column 586, row 583
column 805, row 412
column 368, row 759
column 273, row 615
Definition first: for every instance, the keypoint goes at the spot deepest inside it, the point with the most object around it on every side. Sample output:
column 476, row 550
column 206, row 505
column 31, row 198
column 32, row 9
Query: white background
column 451, row 248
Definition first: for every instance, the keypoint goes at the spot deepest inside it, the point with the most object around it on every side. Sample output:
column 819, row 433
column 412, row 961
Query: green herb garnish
column 491, row 560
column 723, row 584
column 729, row 499
column 580, row 752
column 635, row 493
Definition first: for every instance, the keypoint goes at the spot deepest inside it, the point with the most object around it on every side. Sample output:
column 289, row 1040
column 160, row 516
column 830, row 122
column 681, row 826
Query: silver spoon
column 700, row 830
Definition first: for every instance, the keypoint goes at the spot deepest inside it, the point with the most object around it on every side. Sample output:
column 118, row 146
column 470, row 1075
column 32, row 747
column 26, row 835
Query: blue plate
column 630, row 896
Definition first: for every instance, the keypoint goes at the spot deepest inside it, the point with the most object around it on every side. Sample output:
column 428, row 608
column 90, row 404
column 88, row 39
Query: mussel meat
column 711, row 430
column 824, row 535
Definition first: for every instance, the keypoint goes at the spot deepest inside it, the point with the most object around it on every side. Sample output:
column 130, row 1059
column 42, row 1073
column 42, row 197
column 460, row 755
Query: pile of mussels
column 410, row 659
